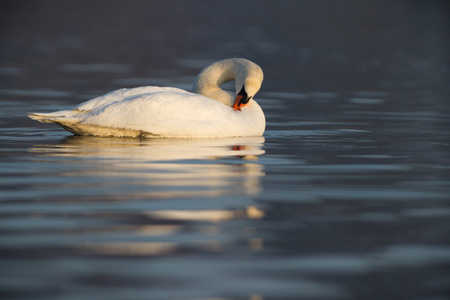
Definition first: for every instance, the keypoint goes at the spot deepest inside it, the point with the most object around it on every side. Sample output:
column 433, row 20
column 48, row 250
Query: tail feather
column 54, row 117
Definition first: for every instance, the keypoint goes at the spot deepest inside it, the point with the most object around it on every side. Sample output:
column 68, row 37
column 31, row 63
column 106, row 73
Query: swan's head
column 248, row 83
column 247, row 76
column 242, row 98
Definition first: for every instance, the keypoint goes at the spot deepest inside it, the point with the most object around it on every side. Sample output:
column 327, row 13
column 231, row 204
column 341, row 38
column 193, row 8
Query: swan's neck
column 210, row 79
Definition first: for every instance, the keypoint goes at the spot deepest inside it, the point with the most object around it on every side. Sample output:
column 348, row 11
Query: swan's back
column 121, row 95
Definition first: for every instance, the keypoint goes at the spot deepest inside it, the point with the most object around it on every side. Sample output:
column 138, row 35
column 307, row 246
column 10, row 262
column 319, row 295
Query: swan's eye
column 242, row 92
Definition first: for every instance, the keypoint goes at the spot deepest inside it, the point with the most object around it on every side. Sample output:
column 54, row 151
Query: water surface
column 345, row 197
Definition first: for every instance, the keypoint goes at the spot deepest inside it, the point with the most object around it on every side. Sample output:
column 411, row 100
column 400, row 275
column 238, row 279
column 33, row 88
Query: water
column 345, row 197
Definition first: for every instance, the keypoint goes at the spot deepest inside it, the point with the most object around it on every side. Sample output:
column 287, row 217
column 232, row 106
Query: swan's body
column 171, row 112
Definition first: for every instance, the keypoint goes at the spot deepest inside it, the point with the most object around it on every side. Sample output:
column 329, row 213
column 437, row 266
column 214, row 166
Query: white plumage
column 171, row 112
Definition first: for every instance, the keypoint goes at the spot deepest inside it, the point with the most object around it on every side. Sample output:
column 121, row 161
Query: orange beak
column 238, row 103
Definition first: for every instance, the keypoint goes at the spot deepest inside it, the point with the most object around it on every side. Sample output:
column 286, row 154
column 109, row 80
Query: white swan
column 171, row 112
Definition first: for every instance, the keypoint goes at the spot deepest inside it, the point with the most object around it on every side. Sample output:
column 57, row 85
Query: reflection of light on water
column 131, row 249
column 181, row 192
column 250, row 212
column 151, row 248
column 155, row 149
column 162, row 168
column 206, row 215
column 156, row 230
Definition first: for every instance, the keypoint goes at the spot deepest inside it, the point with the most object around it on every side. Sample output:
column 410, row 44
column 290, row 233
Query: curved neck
column 210, row 79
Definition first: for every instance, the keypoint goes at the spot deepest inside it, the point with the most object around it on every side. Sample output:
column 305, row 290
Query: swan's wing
column 121, row 95
column 163, row 113
column 84, row 109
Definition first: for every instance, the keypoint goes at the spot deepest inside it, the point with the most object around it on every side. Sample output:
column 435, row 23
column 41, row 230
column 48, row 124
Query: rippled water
column 345, row 197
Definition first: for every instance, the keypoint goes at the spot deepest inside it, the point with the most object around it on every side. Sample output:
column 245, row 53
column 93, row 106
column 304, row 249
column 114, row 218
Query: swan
column 168, row 112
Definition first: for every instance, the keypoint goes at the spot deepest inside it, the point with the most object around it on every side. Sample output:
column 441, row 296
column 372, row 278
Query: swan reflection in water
column 140, row 182
column 164, row 168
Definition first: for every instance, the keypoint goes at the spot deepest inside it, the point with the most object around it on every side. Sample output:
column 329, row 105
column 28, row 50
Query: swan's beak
column 239, row 102
column 241, row 99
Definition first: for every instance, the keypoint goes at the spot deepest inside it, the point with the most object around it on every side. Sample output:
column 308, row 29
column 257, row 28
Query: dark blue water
column 347, row 195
